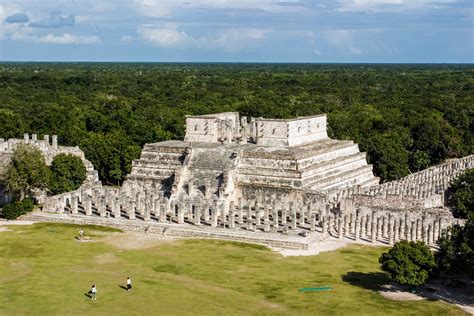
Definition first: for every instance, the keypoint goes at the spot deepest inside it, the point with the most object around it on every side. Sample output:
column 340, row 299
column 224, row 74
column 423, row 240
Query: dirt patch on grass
column 5, row 229
column 105, row 258
column 396, row 293
column 131, row 241
column 17, row 270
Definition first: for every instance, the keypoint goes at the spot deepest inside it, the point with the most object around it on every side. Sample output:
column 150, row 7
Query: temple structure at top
column 225, row 157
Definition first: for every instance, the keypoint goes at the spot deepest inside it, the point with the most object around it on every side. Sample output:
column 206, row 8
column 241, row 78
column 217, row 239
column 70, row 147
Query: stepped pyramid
column 225, row 157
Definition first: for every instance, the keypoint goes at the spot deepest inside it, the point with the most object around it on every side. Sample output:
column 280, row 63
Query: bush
column 18, row 208
column 408, row 263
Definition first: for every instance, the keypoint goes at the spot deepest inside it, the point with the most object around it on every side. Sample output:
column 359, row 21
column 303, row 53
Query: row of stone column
column 383, row 228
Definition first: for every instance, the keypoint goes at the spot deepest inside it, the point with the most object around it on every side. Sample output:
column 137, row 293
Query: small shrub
column 18, row 208
column 408, row 263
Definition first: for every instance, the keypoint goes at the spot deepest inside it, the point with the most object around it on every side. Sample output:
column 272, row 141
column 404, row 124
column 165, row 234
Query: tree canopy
column 408, row 262
column 462, row 195
column 406, row 117
column 67, row 173
column 27, row 171
column 456, row 251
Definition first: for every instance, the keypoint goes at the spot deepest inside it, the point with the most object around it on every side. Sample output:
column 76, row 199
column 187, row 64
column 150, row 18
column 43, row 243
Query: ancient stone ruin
column 279, row 182
column 49, row 148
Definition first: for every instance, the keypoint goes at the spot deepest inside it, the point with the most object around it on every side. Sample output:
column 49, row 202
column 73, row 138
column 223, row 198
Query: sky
column 326, row 31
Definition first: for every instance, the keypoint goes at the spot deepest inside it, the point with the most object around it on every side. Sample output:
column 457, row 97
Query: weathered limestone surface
column 276, row 177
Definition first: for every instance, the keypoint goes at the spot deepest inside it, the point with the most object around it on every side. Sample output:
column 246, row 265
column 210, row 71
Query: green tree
column 461, row 197
column 27, row 172
column 408, row 263
column 456, row 250
column 67, row 173
column 14, row 209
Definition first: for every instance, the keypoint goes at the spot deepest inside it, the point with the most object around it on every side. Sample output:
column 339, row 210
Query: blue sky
column 398, row 31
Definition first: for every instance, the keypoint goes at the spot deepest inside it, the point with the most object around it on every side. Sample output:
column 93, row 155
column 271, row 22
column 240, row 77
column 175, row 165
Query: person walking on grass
column 129, row 284
column 93, row 293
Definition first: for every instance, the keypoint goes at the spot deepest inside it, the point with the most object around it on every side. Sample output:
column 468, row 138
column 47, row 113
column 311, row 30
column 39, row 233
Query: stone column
column 214, row 217
column 197, row 215
column 430, row 235
column 116, row 207
column 157, row 207
column 241, row 212
column 223, row 216
column 275, row 216
column 102, row 207
column 347, row 231
column 163, row 213
column 424, row 235
column 402, row 228
column 339, row 227
column 385, row 227
column 373, row 230
column 324, row 228
column 74, row 206
column 88, row 204
column 231, row 219
column 293, row 219
column 413, row 231
column 258, row 216
column 146, row 211
column 357, row 228
column 131, row 209
column 435, row 231
column 362, row 227
column 180, row 213
column 283, row 216
column 55, row 142
column 390, row 230
column 418, row 229
column 313, row 222
column 379, row 228
column 302, row 215
column 266, row 224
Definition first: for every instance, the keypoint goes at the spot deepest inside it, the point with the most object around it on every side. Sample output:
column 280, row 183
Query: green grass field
column 45, row 271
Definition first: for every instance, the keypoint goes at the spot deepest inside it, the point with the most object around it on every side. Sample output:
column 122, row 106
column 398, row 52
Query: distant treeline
column 406, row 117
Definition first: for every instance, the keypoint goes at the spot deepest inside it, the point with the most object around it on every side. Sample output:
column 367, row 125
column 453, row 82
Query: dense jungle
column 406, row 117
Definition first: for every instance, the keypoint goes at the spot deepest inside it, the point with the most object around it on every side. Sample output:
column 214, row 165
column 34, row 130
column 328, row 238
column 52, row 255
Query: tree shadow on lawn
column 370, row 281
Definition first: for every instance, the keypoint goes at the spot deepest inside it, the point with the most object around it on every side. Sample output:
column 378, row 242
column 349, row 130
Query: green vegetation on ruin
column 44, row 270
column 406, row 117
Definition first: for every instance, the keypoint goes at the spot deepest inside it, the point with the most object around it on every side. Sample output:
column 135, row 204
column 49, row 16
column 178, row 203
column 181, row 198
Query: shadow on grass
column 123, row 287
column 370, row 281
column 88, row 294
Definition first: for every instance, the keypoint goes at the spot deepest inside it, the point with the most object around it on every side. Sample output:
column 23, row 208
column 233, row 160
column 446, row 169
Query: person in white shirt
column 93, row 293
column 129, row 284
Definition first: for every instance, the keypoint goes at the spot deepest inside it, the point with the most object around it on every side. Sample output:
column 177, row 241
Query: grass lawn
column 45, row 271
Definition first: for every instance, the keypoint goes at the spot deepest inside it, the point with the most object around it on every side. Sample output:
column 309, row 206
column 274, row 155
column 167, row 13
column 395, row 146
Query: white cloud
column 231, row 39
column 165, row 37
column 25, row 35
column 126, row 39
column 342, row 40
column 390, row 5
column 68, row 39
column 161, row 8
